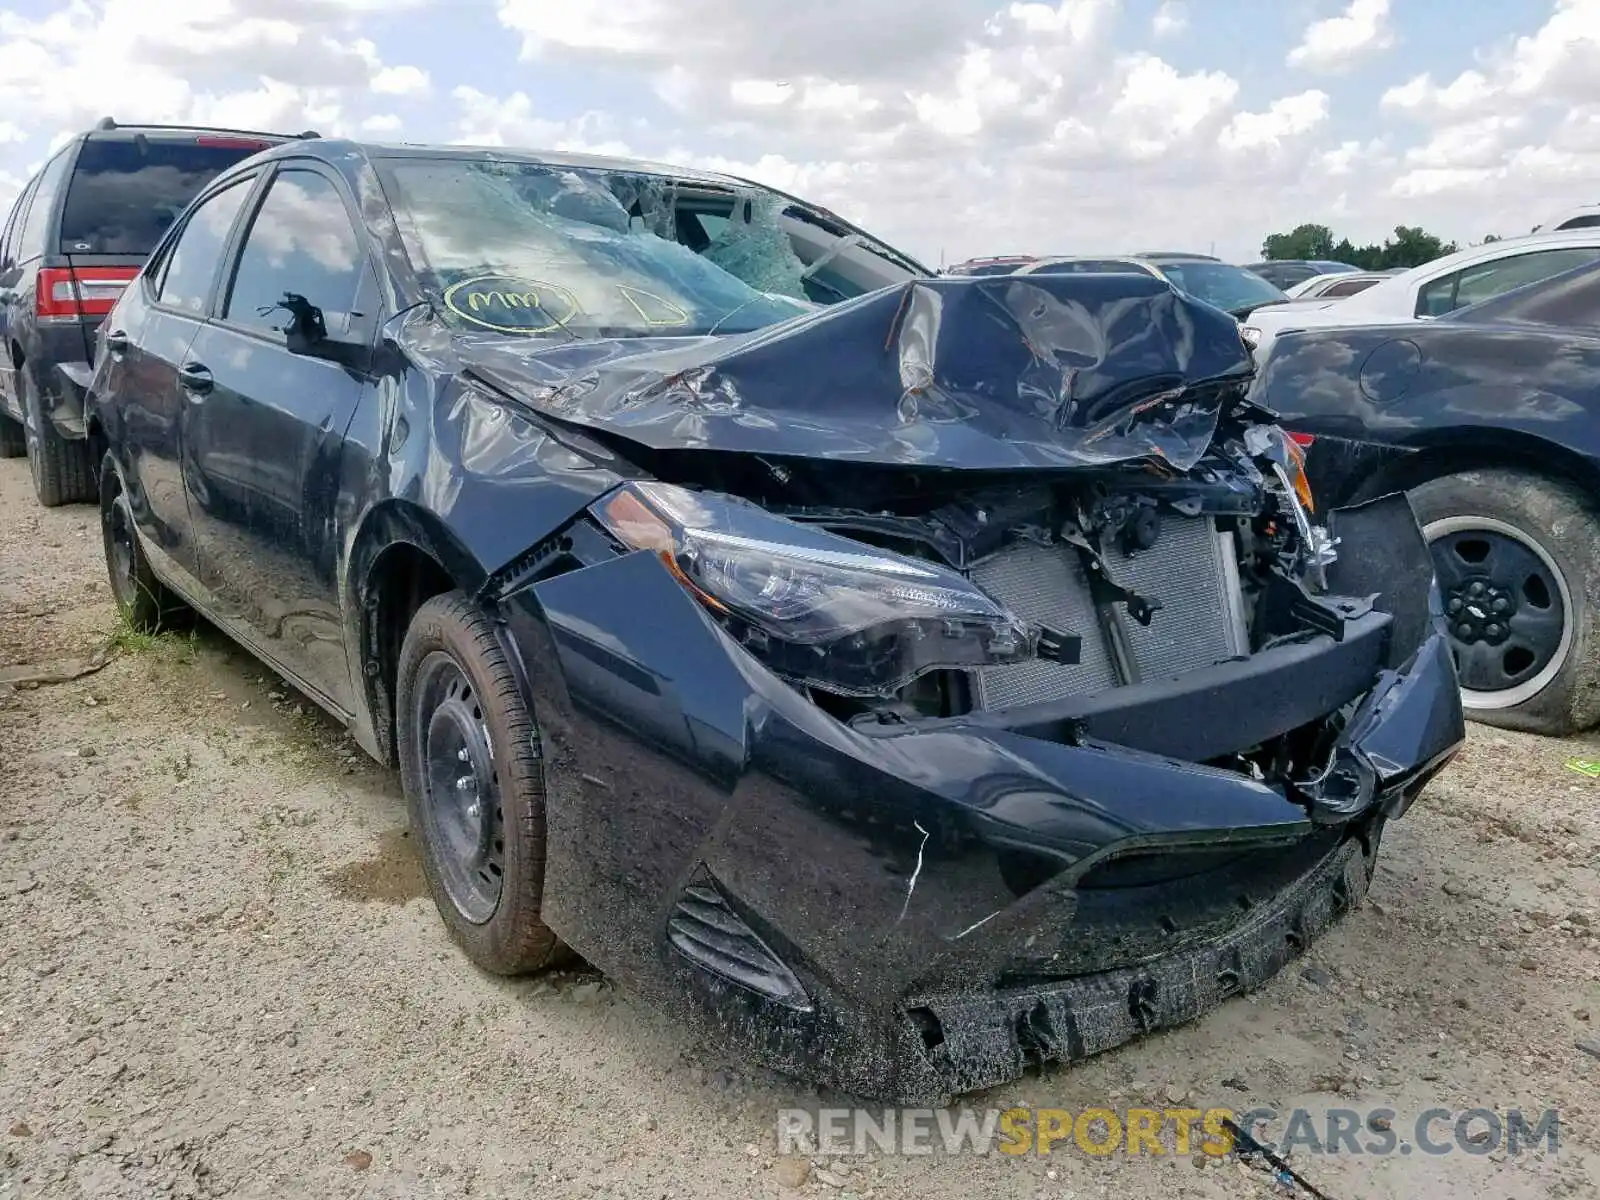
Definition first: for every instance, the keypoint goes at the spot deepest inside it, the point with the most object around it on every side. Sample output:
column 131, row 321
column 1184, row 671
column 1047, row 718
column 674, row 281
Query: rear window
column 125, row 193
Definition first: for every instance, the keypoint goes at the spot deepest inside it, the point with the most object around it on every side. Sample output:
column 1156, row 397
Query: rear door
column 264, row 439
column 146, row 381
column 10, row 277
column 127, row 188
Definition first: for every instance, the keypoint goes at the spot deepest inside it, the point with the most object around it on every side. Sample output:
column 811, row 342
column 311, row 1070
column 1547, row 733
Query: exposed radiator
column 1192, row 569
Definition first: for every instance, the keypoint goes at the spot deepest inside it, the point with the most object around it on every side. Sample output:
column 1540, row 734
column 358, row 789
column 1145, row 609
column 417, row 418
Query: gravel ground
column 219, row 975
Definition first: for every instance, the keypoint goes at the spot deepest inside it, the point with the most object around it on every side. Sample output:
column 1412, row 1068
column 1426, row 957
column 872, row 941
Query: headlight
column 817, row 608
column 1251, row 335
column 1287, row 456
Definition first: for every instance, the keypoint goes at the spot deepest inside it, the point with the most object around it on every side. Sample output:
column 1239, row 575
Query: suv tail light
column 89, row 292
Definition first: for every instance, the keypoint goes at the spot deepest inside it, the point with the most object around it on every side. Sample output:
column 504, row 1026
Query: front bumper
column 917, row 911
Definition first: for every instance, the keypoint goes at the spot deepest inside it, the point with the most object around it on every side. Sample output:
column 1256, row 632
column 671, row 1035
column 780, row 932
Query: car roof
column 337, row 152
column 1174, row 255
column 110, row 130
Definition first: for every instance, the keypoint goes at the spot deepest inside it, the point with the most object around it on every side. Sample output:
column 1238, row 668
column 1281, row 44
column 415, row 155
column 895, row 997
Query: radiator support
column 1193, row 569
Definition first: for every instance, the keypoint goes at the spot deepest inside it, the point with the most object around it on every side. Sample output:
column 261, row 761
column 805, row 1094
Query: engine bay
column 1132, row 574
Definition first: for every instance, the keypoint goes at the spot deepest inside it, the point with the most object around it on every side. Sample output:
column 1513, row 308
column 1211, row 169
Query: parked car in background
column 846, row 679
column 1585, row 216
column 1336, row 286
column 76, row 235
column 1434, row 289
column 1002, row 265
column 1235, row 290
column 1489, row 418
column 1286, row 272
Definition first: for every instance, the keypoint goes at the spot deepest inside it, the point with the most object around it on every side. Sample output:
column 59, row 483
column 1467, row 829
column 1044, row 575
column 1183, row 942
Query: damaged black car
column 903, row 680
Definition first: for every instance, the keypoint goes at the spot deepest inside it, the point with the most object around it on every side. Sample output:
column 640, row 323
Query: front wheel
column 1518, row 562
column 475, row 788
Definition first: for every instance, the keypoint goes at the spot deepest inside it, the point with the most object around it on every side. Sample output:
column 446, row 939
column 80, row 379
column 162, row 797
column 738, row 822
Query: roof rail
column 108, row 123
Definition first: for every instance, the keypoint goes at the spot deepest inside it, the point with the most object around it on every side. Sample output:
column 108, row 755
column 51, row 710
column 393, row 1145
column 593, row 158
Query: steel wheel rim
column 122, row 555
column 1541, row 625
column 461, row 808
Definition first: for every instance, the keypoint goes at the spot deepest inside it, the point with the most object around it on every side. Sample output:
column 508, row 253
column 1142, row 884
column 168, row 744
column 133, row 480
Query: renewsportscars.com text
column 1105, row 1130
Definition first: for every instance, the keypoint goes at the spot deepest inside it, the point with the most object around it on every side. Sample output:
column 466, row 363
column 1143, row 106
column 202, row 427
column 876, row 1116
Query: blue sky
column 974, row 126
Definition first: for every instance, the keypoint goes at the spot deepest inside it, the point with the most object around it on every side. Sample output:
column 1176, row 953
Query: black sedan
column 905, row 679
column 1491, row 418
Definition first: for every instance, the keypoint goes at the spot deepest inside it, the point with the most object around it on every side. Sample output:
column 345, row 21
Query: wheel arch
column 1478, row 450
column 401, row 557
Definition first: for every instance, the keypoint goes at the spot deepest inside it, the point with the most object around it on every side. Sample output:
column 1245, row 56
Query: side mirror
column 306, row 334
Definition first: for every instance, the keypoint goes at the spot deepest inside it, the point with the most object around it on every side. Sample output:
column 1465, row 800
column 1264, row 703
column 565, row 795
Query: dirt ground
column 219, row 976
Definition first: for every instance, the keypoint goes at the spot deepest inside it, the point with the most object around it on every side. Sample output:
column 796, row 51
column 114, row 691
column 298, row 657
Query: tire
column 13, row 438
column 146, row 604
column 63, row 472
column 460, row 715
column 1527, row 641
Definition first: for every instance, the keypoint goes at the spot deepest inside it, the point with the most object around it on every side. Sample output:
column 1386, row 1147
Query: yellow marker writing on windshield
column 634, row 296
column 508, row 304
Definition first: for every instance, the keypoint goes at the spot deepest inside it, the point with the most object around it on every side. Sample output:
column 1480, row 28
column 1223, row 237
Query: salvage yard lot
column 219, row 974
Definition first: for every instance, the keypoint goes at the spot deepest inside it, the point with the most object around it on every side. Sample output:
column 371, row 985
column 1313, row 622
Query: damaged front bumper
column 911, row 911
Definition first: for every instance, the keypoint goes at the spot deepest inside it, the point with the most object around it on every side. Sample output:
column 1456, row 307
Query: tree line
column 1411, row 246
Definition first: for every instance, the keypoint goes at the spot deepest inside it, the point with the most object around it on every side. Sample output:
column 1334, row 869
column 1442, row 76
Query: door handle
column 195, row 378
column 117, row 342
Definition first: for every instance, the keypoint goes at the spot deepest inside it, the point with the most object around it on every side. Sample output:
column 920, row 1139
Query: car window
column 1587, row 221
column 185, row 280
column 1476, row 283
column 1225, row 286
column 1570, row 299
column 303, row 241
column 34, row 228
column 19, row 214
column 125, row 193
column 1348, row 288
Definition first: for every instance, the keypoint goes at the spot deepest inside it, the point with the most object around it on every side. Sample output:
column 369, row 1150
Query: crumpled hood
column 1015, row 372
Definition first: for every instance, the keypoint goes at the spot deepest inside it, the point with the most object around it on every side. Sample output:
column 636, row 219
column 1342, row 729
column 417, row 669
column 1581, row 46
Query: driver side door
column 264, row 432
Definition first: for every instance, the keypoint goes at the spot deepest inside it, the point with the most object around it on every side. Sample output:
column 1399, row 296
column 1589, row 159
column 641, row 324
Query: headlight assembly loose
column 822, row 609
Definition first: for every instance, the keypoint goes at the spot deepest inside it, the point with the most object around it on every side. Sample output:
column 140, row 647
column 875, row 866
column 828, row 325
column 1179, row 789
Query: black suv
column 77, row 234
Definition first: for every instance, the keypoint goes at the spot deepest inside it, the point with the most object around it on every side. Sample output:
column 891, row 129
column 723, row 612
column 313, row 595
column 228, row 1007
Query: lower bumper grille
column 1192, row 569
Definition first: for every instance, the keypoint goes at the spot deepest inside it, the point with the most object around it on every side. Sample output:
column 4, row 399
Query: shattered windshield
column 530, row 249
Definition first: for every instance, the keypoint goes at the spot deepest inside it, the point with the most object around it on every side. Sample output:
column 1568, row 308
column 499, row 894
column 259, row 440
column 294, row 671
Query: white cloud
column 983, row 126
column 401, row 81
column 1335, row 43
column 1515, row 135
column 1285, row 119
column 1171, row 19
column 1026, row 126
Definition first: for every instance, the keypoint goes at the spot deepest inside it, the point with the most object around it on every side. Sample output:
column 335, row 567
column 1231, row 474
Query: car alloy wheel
column 461, row 792
column 1508, row 606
